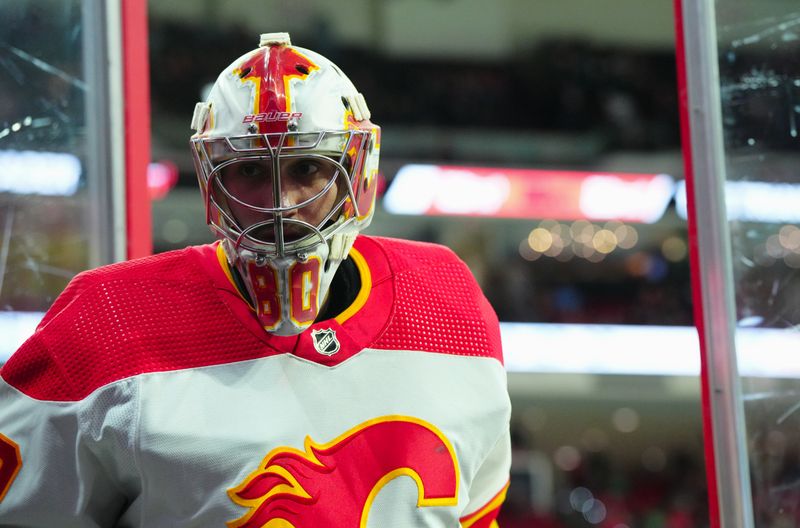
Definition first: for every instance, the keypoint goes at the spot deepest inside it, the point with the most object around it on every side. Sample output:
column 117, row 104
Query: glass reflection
column 43, row 198
column 760, row 88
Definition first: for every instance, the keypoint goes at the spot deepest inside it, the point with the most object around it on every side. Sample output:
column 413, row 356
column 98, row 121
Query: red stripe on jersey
column 486, row 516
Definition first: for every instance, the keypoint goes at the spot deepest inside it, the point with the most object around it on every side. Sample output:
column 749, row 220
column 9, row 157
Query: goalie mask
column 287, row 159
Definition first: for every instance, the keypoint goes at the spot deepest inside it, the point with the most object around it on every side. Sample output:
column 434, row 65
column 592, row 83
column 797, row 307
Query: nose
column 292, row 194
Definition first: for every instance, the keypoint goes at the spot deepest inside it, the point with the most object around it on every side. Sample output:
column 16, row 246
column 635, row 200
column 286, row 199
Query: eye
column 250, row 170
column 304, row 169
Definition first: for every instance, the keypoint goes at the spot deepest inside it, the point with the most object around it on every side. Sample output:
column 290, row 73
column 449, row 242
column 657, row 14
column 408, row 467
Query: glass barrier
column 758, row 44
column 54, row 214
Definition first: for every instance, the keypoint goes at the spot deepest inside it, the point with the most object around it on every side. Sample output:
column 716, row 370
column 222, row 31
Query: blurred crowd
column 627, row 96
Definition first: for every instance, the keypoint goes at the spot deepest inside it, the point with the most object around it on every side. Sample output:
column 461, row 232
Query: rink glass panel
column 52, row 214
column 759, row 63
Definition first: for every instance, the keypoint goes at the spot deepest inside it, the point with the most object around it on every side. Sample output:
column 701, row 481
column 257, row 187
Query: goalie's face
column 280, row 202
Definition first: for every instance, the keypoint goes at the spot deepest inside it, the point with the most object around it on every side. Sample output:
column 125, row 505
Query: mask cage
column 340, row 149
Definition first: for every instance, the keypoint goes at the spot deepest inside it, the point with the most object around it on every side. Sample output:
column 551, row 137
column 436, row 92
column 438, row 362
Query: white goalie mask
column 287, row 162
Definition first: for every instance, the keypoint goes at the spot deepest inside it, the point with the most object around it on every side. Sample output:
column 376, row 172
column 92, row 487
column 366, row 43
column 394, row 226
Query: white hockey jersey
column 149, row 396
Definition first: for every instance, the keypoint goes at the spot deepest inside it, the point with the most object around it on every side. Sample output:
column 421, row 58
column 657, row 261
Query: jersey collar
column 355, row 328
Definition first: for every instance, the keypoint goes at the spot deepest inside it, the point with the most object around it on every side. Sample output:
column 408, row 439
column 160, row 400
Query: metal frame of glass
column 711, row 263
column 105, row 130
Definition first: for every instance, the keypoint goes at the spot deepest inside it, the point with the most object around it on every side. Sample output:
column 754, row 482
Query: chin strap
column 276, row 277
column 340, row 245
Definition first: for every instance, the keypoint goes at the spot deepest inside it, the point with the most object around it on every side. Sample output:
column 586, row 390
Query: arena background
column 546, row 85
column 577, row 99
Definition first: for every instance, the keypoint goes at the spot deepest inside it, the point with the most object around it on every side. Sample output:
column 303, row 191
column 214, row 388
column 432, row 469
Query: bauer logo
column 268, row 117
column 325, row 341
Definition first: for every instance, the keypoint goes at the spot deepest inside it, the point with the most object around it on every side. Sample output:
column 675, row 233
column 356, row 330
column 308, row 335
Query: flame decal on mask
column 335, row 484
column 271, row 69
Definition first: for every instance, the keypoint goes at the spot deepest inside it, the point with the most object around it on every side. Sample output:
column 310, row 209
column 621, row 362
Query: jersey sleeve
column 488, row 490
column 57, row 458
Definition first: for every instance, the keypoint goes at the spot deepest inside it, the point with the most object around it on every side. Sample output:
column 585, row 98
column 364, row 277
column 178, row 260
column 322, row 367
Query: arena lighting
column 578, row 348
column 753, row 201
column 639, row 350
column 162, row 176
column 528, row 193
column 44, row 173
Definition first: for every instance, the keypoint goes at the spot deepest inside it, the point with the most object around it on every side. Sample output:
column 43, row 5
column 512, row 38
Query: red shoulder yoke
column 148, row 315
column 438, row 305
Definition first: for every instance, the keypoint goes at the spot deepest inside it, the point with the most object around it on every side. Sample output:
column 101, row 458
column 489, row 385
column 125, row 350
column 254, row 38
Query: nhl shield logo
column 325, row 341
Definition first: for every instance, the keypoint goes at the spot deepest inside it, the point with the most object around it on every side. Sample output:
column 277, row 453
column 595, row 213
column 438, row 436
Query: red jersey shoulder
column 169, row 265
column 153, row 314
column 438, row 305
column 412, row 254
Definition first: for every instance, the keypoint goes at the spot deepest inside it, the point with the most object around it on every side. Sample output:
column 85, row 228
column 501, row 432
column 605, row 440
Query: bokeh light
column 625, row 420
column 527, row 252
column 594, row 511
column 674, row 249
column 581, row 239
column 578, row 497
column 567, row 457
column 540, row 239
column 627, row 236
column 789, row 237
column 604, row 241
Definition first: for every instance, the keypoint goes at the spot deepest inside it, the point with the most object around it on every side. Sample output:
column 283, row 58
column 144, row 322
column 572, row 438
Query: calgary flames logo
column 334, row 484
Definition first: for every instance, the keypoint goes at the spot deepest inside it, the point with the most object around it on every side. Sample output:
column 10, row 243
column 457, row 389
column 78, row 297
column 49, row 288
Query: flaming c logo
column 334, row 484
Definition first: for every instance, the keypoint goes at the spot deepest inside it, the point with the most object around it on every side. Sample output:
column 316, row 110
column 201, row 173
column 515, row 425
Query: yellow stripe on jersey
column 363, row 293
column 223, row 263
column 492, row 505
column 358, row 303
